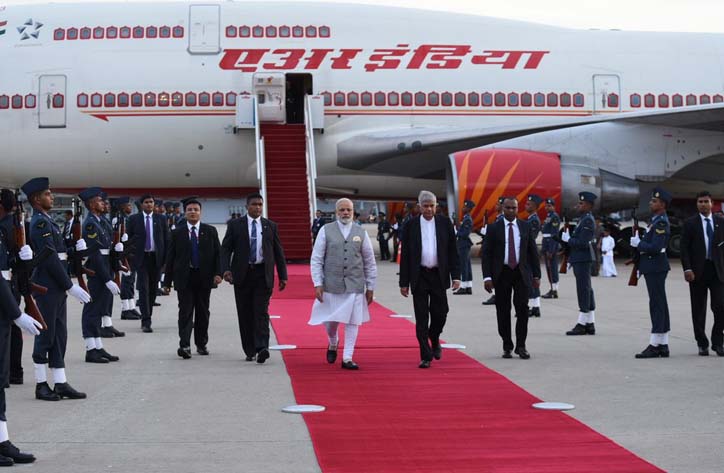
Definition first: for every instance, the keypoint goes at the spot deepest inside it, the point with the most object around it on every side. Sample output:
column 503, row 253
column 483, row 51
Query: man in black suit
column 147, row 234
column 702, row 257
column 193, row 264
column 429, row 261
column 511, row 266
column 250, row 251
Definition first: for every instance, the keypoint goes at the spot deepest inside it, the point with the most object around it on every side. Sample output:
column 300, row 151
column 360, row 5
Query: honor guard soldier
column 550, row 247
column 531, row 206
column 581, row 259
column 499, row 209
column 384, row 231
column 654, row 265
column 107, row 328
column 101, row 285
column 128, row 280
column 51, row 272
column 464, row 244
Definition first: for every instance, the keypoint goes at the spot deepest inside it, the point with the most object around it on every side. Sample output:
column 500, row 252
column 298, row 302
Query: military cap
column 36, row 184
column 176, row 205
column 551, row 201
column 123, row 200
column 104, row 195
column 469, row 204
column 158, row 202
column 89, row 193
column 382, row 214
column 661, row 194
column 535, row 198
column 589, row 197
column 190, row 200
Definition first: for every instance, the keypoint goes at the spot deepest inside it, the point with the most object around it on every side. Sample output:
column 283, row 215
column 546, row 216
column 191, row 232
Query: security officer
column 8, row 253
column 384, row 229
column 499, row 210
column 101, row 285
column 128, row 280
column 52, row 272
column 531, row 206
column 464, row 244
column 581, row 259
column 550, row 247
column 654, row 265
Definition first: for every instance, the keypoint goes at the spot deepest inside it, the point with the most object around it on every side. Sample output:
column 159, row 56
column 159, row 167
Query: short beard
column 345, row 220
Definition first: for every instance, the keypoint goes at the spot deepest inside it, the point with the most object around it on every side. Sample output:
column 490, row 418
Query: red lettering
column 346, row 55
column 510, row 59
column 440, row 56
column 315, row 59
column 246, row 60
column 290, row 61
column 386, row 58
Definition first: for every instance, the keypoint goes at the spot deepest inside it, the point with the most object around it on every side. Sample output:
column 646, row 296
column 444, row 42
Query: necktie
column 194, row 248
column 149, row 244
column 512, row 260
column 252, row 242
column 709, row 236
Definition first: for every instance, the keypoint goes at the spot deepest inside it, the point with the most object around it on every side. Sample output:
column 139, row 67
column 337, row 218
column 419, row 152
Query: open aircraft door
column 606, row 93
column 51, row 104
column 204, row 30
column 270, row 93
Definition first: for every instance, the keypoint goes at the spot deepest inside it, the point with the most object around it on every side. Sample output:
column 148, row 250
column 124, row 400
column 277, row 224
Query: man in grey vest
column 344, row 274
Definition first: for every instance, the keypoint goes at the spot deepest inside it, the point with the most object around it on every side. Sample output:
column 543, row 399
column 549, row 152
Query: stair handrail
column 311, row 157
column 260, row 157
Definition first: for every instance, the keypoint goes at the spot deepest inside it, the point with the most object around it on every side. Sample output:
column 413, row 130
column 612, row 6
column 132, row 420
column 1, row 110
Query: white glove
column 124, row 237
column 125, row 273
column 118, row 247
column 28, row 324
column 635, row 240
column 565, row 237
column 484, row 229
column 78, row 292
column 80, row 245
column 25, row 253
column 113, row 287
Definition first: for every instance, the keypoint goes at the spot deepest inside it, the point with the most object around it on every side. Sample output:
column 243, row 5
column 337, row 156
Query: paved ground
column 154, row 412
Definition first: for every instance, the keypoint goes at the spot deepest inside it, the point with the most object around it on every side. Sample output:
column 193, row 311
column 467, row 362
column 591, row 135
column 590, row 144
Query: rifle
column 24, row 269
column 485, row 224
column 119, row 263
column 633, row 280
column 566, row 251
column 76, row 230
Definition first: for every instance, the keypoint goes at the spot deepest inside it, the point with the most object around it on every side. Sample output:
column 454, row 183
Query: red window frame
column 78, row 101
column 460, row 99
column 231, row 31
column 217, row 99
column 230, row 99
column 124, row 100
column 297, row 31
column 270, row 31
column 164, row 99
column 285, row 31
column 150, row 99
column 717, row 98
column 109, row 100
column 691, row 98
column 99, row 32
column 245, row 31
column 526, row 99
column 539, row 95
column 352, row 99
column 393, row 102
column 16, row 101
column 190, row 103
column 72, row 34
column 407, row 97
column 486, row 97
column 365, row 99
column 327, row 98
column 111, row 32
column 704, row 99
column 380, row 99
column 83, row 31
column 473, row 99
column 552, row 99
column 30, row 101
column 164, row 32
column 58, row 101
column 257, row 31
column 649, row 99
column 99, row 98
column 447, row 97
column 4, row 102
column 663, row 100
column 310, row 31
column 325, row 31
column 513, row 99
column 59, row 34
column 204, row 97
column 138, row 32
column 137, row 99
column 631, row 100
column 577, row 96
column 177, row 31
column 125, row 32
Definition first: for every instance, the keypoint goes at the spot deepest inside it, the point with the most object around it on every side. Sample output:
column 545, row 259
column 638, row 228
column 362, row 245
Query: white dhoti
column 349, row 309
column 608, row 267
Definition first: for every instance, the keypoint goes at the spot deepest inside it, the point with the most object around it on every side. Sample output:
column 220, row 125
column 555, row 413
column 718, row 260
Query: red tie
column 512, row 261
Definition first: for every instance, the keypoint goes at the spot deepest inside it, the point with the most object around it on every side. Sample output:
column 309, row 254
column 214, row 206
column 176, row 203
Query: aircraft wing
column 415, row 151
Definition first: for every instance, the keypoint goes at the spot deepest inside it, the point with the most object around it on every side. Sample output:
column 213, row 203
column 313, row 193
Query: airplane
column 221, row 98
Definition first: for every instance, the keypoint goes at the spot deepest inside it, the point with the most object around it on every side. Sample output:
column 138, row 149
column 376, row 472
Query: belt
column 547, row 235
column 8, row 275
column 62, row 256
column 425, row 268
column 105, row 252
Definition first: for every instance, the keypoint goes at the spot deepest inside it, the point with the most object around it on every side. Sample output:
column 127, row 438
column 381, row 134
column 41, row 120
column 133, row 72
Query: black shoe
column 116, row 333
column 130, row 315
column 16, row 378
column 66, row 390
column 664, row 351
column 202, row 351
column 349, row 365
column 550, row 295
column 506, row 354
column 5, row 461
column 534, row 312
column 107, row 355
column 490, row 301
column 591, row 329
column 650, row 352
column 94, row 356
column 704, row 351
column 578, row 330
column 156, row 304
column 262, row 355
column 460, row 292
column 250, row 358
column 184, row 352
column 44, row 393
column 469, row 291
column 436, row 350
column 424, row 364
column 8, row 450
column 522, row 353
column 106, row 332
column 718, row 350
column 159, row 292
column 146, row 329
column 331, row 355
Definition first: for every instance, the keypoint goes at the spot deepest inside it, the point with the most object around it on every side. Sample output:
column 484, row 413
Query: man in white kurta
column 608, row 267
column 344, row 274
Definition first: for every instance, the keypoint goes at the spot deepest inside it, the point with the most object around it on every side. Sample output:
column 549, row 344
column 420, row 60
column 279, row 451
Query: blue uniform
column 550, row 245
column 109, row 228
column 14, row 341
column 52, row 273
column 581, row 258
column 98, row 240
column 464, row 243
column 654, row 265
column 535, row 227
column 128, row 283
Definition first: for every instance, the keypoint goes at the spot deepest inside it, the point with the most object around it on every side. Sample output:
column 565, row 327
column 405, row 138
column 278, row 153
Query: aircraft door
column 51, row 103
column 606, row 93
column 204, row 31
column 270, row 92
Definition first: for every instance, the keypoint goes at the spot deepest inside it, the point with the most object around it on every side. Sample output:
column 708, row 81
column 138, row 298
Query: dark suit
column 253, row 283
column 193, row 284
column 511, row 281
column 708, row 276
column 8, row 251
column 9, row 311
column 147, row 264
column 428, row 285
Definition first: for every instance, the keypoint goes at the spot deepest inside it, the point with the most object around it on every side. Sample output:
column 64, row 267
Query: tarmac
column 154, row 412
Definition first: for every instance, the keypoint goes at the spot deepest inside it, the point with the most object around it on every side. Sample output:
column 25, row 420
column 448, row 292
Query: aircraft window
column 420, row 99
column 82, row 100
column 324, row 32
column 99, row 32
column 578, row 100
column 30, row 101
column 4, row 102
column 85, row 33
column 59, row 34
column 205, row 99
column 123, row 99
column 406, row 99
column 231, row 31
column 164, row 32
column 311, row 31
column 380, row 99
column 58, row 101
column 327, row 99
column 150, row 99
column 487, row 99
column 677, row 100
column 704, row 99
column 72, row 33
column 257, row 31
column 447, row 99
column 459, row 99
column 163, row 99
column 433, row 99
column 109, row 100
column 649, row 100
column 244, row 31
column 565, row 100
column 96, row 100
column 352, row 99
column 261, row 98
column 125, row 32
column 285, row 31
column 190, row 99
column 513, row 99
column 297, row 31
column 393, row 99
column 178, row 31
column 217, row 99
column 136, row 100
column 552, row 99
column 271, row 31
column 539, row 99
column 177, row 99
column 691, row 99
column 663, row 100
column 151, row 32
column 230, row 99
column 112, row 32
column 17, row 101
column 366, row 99
column 636, row 100
column 473, row 99
column 339, row 98
column 718, row 98
column 612, row 100
column 500, row 99
column 526, row 99
column 138, row 32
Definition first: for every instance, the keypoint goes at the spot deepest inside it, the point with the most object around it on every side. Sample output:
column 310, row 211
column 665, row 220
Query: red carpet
column 458, row 416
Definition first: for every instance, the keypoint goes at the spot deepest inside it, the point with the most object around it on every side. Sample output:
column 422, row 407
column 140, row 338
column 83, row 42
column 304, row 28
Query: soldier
column 464, row 243
column 8, row 252
column 550, row 247
column 499, row 210
column 52, row 272
column 581, row 259
column 128, row 280
column 107, row 328
column 531, row 206
column 384, row 230
column 654, row 265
